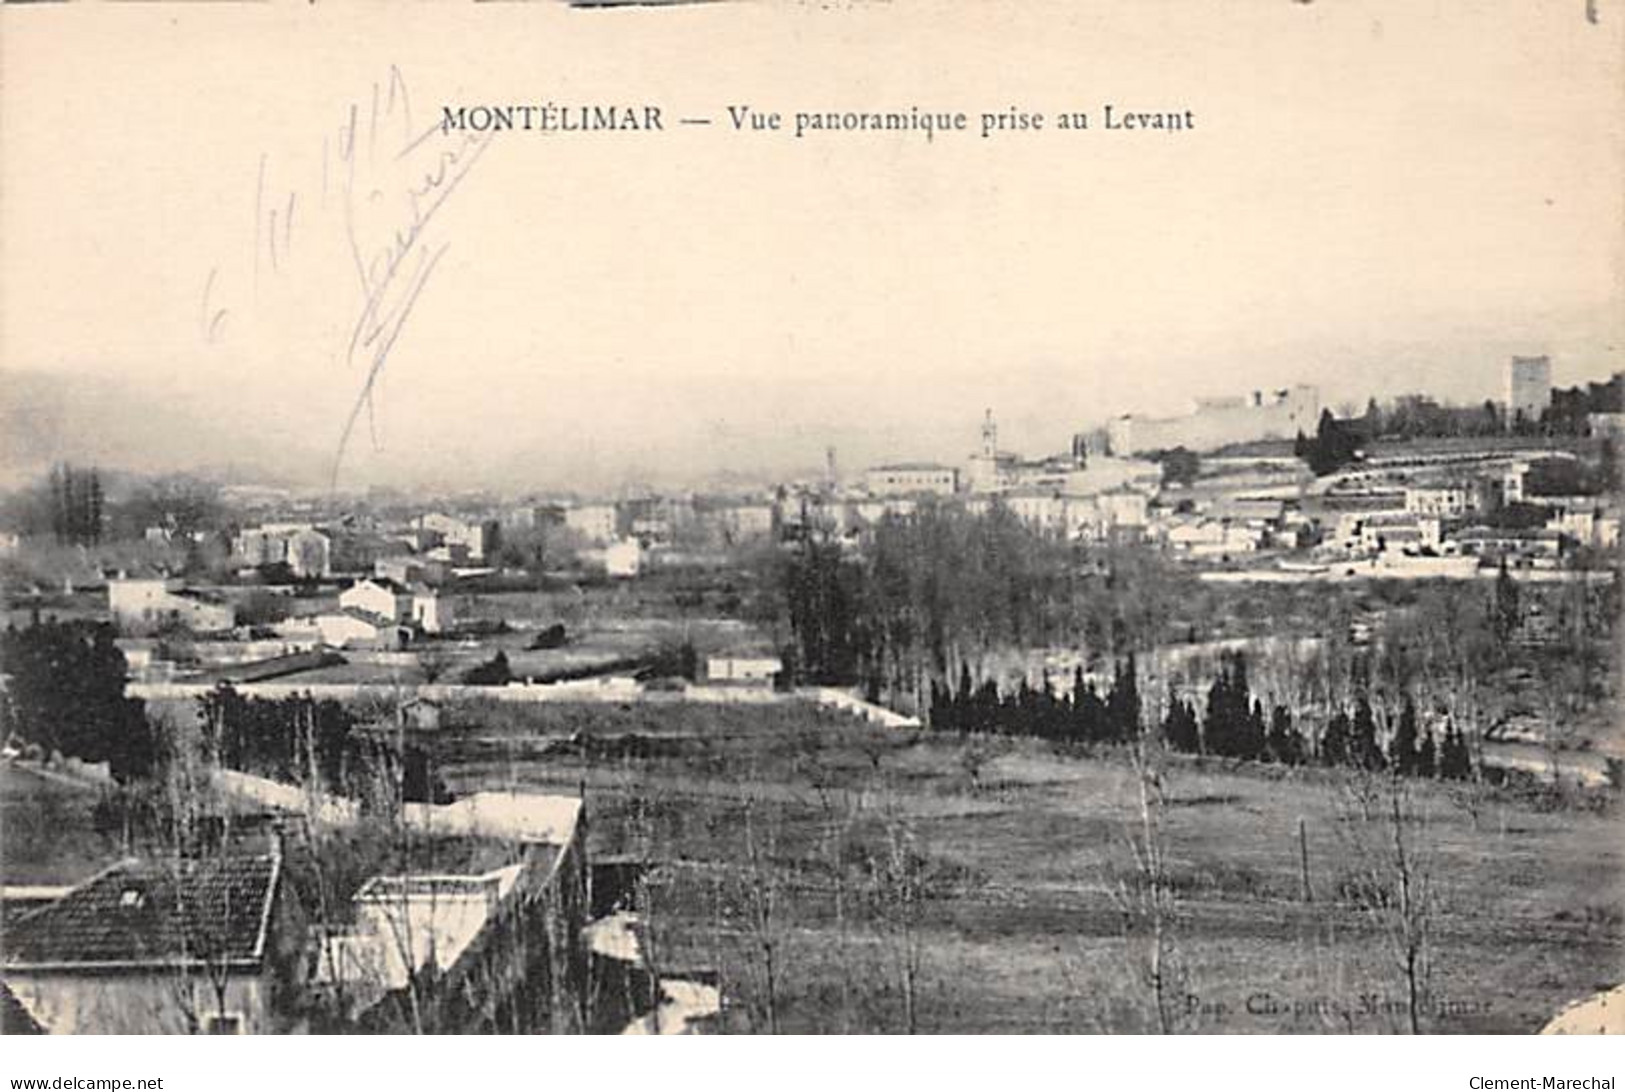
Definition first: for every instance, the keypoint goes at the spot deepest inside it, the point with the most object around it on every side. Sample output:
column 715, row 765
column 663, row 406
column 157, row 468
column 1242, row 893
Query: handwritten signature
column 382, row 183
column 393, row 273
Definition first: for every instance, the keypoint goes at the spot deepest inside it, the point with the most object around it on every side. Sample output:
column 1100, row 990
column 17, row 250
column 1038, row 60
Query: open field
column 885, row 880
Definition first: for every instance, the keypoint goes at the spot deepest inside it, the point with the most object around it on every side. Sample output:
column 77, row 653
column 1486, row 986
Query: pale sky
column 1377, row 197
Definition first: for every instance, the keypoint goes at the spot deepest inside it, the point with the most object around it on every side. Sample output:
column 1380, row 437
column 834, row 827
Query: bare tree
column 900, row 890
column 1146, row 896
column 762, row 904
column 1390, row 878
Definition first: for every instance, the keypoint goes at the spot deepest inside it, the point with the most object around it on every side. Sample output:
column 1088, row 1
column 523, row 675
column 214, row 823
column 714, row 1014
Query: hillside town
column 286, row 760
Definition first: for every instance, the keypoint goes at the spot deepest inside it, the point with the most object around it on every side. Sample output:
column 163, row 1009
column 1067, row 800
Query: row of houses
column 663, row 521
column 376, row 612
column 306, row 551
column 370, row 612
column 433, row 541
column 219, row 939
column 1452, row 521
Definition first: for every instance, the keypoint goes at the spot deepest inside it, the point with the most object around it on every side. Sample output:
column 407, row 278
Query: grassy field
column 839, row 877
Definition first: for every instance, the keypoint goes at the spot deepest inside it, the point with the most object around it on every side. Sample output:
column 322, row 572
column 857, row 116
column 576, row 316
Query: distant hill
column 119, row 425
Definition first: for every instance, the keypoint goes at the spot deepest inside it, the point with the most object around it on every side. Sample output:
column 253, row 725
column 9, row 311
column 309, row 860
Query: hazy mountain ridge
column 136, row 427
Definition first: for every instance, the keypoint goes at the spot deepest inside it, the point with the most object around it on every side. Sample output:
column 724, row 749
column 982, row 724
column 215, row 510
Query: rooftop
column 367, row 616
column 153, row 913
column 383, row 582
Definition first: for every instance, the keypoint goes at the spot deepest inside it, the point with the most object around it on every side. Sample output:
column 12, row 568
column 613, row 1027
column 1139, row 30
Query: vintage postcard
column 812, row 518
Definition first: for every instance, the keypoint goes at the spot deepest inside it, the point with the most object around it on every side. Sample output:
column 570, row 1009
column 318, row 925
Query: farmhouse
column 145, row 605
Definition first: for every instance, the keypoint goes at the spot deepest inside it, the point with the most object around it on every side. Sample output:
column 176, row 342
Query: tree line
column 1234, row 723
column 1418, row 417
column 65, row 694
column 940, row 586
column 318, row 744
column 76, row 505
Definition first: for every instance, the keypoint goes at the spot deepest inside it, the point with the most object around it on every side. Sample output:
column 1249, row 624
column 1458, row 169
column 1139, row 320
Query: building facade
column 597, row 523
column 183, row 946
column 909, row 479
column 144, row 605
column 1216, row 422
column 1528, row 390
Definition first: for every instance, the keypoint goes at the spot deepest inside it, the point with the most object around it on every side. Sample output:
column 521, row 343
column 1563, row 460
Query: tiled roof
column 145, row 913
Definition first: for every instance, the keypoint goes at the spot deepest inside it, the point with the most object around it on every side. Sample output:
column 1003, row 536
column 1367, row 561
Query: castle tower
column 1528, row 388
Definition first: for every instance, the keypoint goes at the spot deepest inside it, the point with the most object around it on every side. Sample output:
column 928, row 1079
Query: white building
column 1512, row 483
column 754, row 670
column 1042, row 511
column 407, row 924
column 357, row 629
column 870, row 512
column 1578, row 524
column 384, row 598
column 476, row 539
column 1387, row 532
column 307, row 552
column 908, row 479
column 1440, row 502
column 743, row 522
column 1214, row 538
column 1122, row 508
column 144, row 605
column 596, row 523
column 623, row 558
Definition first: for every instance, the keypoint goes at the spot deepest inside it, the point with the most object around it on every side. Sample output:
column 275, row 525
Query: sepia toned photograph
column 812, row 519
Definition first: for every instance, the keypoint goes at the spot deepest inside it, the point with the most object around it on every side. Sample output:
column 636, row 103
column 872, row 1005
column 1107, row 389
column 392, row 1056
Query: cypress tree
column 1402, row 748
column 1215, row 725
column 1254, row 744
column 1334, row 742
column 1285, row 745
column 1123, row 704
column 1365, row 751
column 1180, row 728
column 1455, row 763
column 1505, row 609
column 1426, row 760
column 942, row 711
column 1090, row 715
